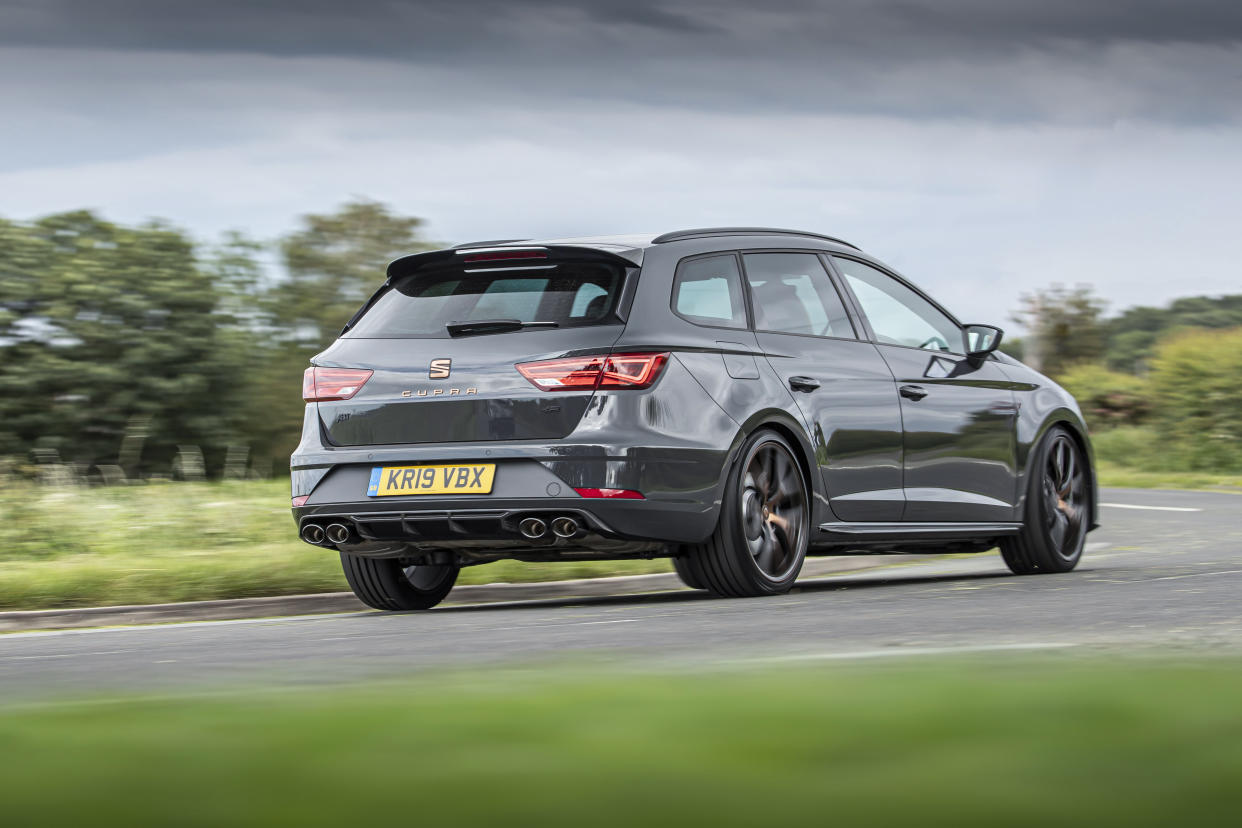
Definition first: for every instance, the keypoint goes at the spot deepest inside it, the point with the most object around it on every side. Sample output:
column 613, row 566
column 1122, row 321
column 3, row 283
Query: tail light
column 322, row 384
column 622, row 494
column 589, row 373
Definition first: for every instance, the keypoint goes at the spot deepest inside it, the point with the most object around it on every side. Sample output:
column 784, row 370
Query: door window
column 792, row 293
column 708, row 291
column 897, row 314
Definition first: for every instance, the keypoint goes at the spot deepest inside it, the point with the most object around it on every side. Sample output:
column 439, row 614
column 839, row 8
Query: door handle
column 803, row 383
column 912, row 392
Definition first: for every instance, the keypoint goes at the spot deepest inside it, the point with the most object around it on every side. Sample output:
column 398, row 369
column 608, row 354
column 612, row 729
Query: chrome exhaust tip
column 312, row 533
column 337, row 532
column 533, row 528
column 565, row 527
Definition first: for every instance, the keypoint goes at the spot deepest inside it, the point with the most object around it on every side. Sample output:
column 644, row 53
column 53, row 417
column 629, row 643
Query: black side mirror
column 981, row 340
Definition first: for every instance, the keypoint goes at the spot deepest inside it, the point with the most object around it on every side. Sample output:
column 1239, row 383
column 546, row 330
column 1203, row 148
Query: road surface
column 1164, row 570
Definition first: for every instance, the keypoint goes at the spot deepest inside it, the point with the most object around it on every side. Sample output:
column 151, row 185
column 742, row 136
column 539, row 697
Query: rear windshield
column 569, row 294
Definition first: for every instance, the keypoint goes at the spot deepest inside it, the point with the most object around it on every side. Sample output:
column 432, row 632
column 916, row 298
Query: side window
column 897, row 314
column 708, row 291
column 792, row 293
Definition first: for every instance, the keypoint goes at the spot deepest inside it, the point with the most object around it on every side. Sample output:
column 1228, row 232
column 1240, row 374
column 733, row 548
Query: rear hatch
column 443, row 340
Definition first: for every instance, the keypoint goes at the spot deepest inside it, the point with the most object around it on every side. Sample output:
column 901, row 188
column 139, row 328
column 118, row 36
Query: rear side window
column 792, row 293
column 708, row 291
column 569, row 294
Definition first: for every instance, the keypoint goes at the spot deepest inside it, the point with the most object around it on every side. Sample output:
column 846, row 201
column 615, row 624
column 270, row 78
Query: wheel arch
column 786, row 426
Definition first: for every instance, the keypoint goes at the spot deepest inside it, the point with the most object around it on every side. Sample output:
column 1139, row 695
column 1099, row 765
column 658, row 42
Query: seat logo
column 440, row 369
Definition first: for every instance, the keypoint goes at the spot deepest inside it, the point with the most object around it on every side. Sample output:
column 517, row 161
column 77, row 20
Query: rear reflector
column 504, row 255
column 300, row 500
column 322, row 384
column 588, row 373
column 623, row 494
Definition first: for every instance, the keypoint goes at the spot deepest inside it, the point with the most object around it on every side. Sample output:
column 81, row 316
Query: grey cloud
column 890, row 29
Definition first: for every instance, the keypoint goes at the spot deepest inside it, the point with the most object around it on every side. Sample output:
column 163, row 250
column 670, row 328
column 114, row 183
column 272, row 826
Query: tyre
column 387, row 584
column 687, row 571
column 761, row 538
column 1054, row 526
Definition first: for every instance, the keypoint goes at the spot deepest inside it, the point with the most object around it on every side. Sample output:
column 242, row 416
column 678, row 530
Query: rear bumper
column 681, row 489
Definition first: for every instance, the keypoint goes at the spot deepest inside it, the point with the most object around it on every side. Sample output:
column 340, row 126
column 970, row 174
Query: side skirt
column 899, row 532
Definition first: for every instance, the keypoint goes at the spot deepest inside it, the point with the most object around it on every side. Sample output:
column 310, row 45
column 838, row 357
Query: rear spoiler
column 626, row 257
column 408, row 265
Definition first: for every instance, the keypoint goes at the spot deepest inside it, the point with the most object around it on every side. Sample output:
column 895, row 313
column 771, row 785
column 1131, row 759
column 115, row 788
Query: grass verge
column 186, row 542
column 1124, row 477
column 997, row 742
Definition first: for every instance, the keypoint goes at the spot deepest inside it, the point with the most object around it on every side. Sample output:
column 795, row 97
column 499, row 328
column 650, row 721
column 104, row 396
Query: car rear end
column 479, row 407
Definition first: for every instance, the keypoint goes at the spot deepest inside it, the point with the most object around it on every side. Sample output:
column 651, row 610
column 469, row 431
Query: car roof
column 629, row 245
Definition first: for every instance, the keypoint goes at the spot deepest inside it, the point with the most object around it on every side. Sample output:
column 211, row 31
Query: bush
column 1196, row 380
column 1108, row 398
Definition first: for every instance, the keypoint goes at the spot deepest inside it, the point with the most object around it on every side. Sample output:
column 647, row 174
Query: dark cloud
column 891, row 29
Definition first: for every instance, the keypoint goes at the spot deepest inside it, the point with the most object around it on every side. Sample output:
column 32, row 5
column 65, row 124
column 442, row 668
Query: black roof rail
column 709, row 232
column 486, row 243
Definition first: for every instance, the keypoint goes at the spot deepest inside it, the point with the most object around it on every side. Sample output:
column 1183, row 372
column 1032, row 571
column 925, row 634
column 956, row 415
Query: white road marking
column 1152, row 508
column 1196, row 575
column 898, row 652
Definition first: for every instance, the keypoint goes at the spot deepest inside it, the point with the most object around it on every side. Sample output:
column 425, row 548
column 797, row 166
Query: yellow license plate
column 427, row 480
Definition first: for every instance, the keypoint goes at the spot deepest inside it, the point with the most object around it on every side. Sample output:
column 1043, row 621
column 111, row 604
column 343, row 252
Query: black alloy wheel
column 1057, row 510
column 761, row 538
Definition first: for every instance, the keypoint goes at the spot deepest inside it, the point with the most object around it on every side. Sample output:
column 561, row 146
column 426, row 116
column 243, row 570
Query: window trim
column 900, row 280
column 747, row 319
column 832, row 282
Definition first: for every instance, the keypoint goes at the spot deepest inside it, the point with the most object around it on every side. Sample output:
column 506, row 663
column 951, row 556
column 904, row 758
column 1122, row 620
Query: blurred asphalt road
column 1165, row 569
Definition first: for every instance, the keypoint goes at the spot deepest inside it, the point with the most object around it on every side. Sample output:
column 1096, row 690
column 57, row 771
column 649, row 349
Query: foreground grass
column 1000, row 742
column 185, row 542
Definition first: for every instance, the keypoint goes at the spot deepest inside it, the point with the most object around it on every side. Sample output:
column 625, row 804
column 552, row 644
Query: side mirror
column 981, row 340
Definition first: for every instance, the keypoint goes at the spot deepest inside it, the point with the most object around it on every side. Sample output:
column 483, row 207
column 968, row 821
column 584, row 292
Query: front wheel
column 387, row 584
column 761, row 538
column 1058, row 508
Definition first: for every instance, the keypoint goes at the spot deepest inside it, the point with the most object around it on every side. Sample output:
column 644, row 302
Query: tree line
column 132, row 351
column 1160, row 387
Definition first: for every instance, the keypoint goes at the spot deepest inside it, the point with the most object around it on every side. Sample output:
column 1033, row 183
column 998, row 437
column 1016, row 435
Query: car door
column 842, row 386
column 958, row 413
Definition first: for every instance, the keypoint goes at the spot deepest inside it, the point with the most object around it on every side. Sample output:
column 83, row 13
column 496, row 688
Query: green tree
column 1108, row 398
column 1133, row 335
column 1197, row 380
column 1064, row 327
column 103, row 327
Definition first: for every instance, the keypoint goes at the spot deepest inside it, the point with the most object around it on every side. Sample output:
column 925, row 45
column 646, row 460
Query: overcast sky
column 982, row 147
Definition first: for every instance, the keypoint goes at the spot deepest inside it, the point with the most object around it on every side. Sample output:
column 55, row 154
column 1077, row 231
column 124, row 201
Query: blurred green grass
column 157, row 543
column 164, row 542
column 1002, row 741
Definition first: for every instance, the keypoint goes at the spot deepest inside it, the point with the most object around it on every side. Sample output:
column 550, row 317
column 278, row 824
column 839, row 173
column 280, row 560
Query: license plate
column 427, row 480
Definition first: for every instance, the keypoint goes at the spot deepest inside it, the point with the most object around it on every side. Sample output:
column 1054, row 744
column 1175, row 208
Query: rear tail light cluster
column 589, row 373
column 323, row 384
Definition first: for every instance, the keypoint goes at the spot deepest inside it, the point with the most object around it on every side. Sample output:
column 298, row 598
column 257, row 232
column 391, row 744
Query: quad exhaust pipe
column 565, row 527
column 337, row 532
column 333, row 533
column 533, row 528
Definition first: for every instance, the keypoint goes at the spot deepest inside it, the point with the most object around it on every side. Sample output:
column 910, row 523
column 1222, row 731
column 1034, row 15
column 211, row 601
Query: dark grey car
column 733, row 398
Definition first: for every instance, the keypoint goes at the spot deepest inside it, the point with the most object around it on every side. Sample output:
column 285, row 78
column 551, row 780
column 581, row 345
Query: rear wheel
column 761, row 538
column 387, row 584
column 687, row 571
column 1054, row 529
